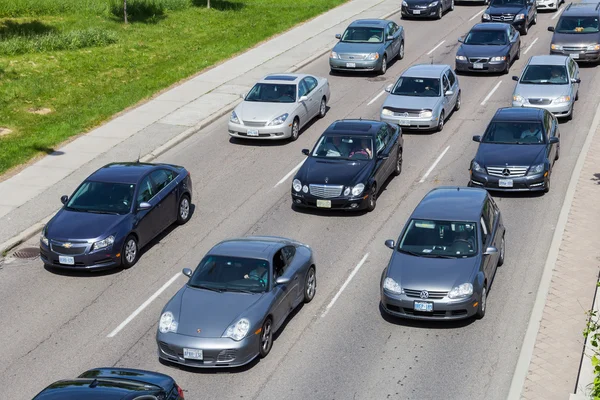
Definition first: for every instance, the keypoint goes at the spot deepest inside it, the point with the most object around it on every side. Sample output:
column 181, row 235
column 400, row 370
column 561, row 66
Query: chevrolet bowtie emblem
column 198, row 330
column 67, row 245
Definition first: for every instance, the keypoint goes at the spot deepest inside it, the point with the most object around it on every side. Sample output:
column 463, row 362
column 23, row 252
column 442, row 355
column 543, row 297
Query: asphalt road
column 55, row 326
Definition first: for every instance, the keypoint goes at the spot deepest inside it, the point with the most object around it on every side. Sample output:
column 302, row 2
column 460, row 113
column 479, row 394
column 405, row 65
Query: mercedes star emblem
column 424, row 294
column 326, row 179
column 506, row 172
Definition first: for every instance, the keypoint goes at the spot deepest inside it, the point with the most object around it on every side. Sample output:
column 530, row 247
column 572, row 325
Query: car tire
column 482, row 303
column 518, row 56
column 323, row 107
column 130, row 252
column 440, row 13
column 440, row 125
column 534, row 22
column 525, row 29
column 502, row 251
column 295, row 129
column 183, row 211
column 383, row 68
column 452, row 5
column 310, row 285
column 458, row 102
column 401, row 51
column 398, row 168
column 507, row 70
column 577, row 95
column 266, row 338
column 557, row 152
column 372, row 198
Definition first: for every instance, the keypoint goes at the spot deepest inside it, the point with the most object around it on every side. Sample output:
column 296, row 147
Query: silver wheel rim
column 295, row 129
column 483, row 299
column 310, row 284
column 402, row 50
column 130, row 251
column 265, row 338
column 441, row 124
column 458, row 102
column 440, row 12
column 383, row 65
column 399, row 162
column 323, row 108
column 184, row 208
column 502, row 250
column 372, row 199
column 452, row 5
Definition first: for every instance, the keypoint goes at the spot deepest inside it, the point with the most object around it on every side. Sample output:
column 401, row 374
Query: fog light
column 353, row 205
column 298, row 201
column 305, row 189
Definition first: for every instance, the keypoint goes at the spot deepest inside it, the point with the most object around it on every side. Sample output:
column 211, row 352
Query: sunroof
column 281, row 78
column 367, row 22
column 352, row 126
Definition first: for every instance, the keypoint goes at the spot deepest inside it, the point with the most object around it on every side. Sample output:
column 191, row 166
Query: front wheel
column 440, row 125
column 372, row 199
column 482, row 304
column 534, row 19
column 295, row 130
column 502, row 250
column 401, row 51
column 440, row 13
column 398, row 168
column 323, row 108
column 310, row 285
column 383, row 69
column 525, row 29
column 458, row 104
column 518, row 53
column 129, row 255
column 507, row 69
column 266, row 338
column 547, row 187
column 183, row 215
column 452, row 6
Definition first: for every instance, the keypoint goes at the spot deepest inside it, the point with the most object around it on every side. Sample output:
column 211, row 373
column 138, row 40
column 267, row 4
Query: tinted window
column 272, row 93
column 361, row 34
column 302, row 89
column 577, row 25
column 487, row 38
column 445, row 82
column 146, row 191
column 451, row 77
column 509, row 132
column 288, row 253
column 488, row 215
column 545, row 75
column 161, row 178
column 311, row 83
column 231, row 274
column 382, row 138
column 507, row 3
column 425, row 238
column 344, row 147
column 102, row 197
column 418, row 87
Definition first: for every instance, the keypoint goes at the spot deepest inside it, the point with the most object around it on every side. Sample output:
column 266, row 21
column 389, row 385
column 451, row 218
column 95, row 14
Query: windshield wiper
column 207, row 288
column 239, row 290
column 103, row 212
column 412, row 253
column 77, row 209
column 440, row 256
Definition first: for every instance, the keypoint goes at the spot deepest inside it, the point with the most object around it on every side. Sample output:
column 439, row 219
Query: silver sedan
column 279, row 105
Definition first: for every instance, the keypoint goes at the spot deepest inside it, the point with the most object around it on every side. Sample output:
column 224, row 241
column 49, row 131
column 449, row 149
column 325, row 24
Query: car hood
column 433, row 274
column 471, row 50
column 542, row 91
column 571, row 39
column 211, row 312
column 338, row 172
column 411, row 102
column 358, row 48
column 490, row 154
column 262, row 111
column 73, row 225
column 497, row 10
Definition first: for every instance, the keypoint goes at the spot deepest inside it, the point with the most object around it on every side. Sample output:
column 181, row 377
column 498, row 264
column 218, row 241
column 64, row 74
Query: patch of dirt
column 5, row 131
column 40, row 111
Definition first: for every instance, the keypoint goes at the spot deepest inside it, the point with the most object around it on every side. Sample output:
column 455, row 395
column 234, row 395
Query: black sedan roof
column 519, row 114
column 363, row 127
column 125, row 172
column 451, row 203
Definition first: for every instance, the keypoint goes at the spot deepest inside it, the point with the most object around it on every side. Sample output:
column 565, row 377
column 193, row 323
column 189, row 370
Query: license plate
column 192, row 354
column 324, row 203
column 505, row 183
column 252, row 132
column 404, row 122
column 574, row 56
column 477, row 66
column 423, row 306
column 350, row 65
column 417, row 12
column 66, row 260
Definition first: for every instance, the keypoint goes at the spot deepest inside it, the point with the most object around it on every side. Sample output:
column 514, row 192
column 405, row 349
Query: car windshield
column 486, row 38
column 417, row 87
column 360, row 34
column 577, row 25
column 272, row 93
column 445, row 239
column 507, row 3
column 513, row 132
column 231, row 274
column 545, row 75
column 102, row 198
column 344, row 147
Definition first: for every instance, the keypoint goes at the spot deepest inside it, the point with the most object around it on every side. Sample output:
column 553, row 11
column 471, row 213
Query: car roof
column 283, row 78
column 364, row 127
column 248, row 247
column 548, row 60
column 490, row 26
column 426, row 70
column 581, row 9
column 370, row 23
column 96, row 389
column 451, row 203
column 519, row 114
column 125, row 172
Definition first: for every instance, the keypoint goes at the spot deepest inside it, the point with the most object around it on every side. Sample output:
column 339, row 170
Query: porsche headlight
column 556, row 47
column 279, row 120
column 358, row 189
column 167, row 323
column 297, row 185
column 500, row 58
column 519, row 17
column 434, row 3
column 562, row 99
column 372, row 56
column 104, row 243
column 485, row 17
column 333, row 55
column 238, row 330
column 593, row 47
column 478, row 168
column 391, row 285
column 536, row 169
column 386, row 111
column 461, row 58
column 518, row 98
column 234, row 118
column 425, row 114
column 460, row 291
column 43, row 237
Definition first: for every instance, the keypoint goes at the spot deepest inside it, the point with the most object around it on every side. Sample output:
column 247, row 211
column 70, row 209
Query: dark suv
column 520, row 13
column 577, row 33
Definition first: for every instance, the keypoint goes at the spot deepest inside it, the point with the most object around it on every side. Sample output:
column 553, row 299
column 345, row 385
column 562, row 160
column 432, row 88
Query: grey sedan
column 423, row 97
column 237, row 298
column 446, row 257
column 368, row 45
column 549, row 82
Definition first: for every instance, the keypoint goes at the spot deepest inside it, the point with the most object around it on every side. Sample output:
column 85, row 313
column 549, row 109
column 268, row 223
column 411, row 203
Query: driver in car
column 260, row 273
column 363, row 149
column 533, row 132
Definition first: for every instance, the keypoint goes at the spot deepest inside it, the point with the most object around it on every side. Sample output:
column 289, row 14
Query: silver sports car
column 279, row 105
column 237, row 298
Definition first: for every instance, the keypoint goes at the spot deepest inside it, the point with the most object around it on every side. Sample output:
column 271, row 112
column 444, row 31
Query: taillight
column 179, row 391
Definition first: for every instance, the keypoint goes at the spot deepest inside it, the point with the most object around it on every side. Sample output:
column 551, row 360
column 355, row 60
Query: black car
column 113, row 384
column 520, row 13
column 517, row 151
column 349, row 164
column 488, row 47
column 426, row 8
column 114, row 213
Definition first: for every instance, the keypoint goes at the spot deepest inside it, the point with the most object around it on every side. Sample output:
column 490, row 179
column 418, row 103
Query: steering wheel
column 464, row 241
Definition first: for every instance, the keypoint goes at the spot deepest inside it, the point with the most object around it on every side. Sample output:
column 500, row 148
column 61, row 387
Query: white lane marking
column 490, row 93
column 285, row 178
column 435, row 48
column 354, row 271
column 433, row 165
column 144, row 305
column 530, row 46
column 476, row 15
column 557, row 13
column 376, row 97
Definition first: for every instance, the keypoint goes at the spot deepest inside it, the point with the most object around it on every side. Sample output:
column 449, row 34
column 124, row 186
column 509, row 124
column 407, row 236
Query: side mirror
column 187, row 272
column 302, row 98
column 449, row 92
column 389, row 87
column 575, row 80
column 306, row 152
column 390, row 37
column 144, row 206
column 282, row 280
column 551, row 28
column 477, row 138
column 554, row 140
column 64, row 199
column 243, row 95
column 338, row 36
column 490, row 250
column 390, row 243
column 460, row 39
column 515, row 78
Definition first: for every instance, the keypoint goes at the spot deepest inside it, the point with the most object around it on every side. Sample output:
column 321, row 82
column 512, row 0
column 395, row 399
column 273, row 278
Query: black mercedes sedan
column 113, row 384
column 517, row 151
column 114, row 213
column 349, row 164
column 488, row 48
column 519, row 13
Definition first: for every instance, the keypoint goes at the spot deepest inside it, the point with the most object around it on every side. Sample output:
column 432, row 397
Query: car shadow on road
column 411, row 323
column 596, row 178
column 371, row 75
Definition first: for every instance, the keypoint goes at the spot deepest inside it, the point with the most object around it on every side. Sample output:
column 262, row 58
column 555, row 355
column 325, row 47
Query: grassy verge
column 68, row 65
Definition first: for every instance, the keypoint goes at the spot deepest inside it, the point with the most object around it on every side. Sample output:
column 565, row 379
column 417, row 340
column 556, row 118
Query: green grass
column 76, row 57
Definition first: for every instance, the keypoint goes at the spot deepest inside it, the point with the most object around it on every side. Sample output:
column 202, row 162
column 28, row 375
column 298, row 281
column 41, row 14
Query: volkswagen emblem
column 424, row 294
column 351, row 57
column 198, row 330
column 67, row 245
column 506, row 172
column 405, row 115
column 326, row 179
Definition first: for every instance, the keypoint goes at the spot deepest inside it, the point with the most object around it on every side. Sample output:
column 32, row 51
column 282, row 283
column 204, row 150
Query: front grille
column 326, row 191
column 420, row 6
column 507, row 172
column 73, row 250
column 255, row 123
column 479, row 59
column 432, row 295
column 227, row 355
column 352, row 57
column 574, row 48
column 502, row 18
column 404, row 112
column 542, row 102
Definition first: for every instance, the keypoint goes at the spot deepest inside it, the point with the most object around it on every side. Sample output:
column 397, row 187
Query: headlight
column 562, row 99
column 43, row 237
column 333, row 55
column 485, row 17
column 536, row 169
column 167, row 323
column 279, row 120
column 498, row 58
column 556, row 47
column 464, row 290
column 234, row 118
column 391, row 286
column 238, row 331
column 593, row 47
column 434, row 3
column 425, row 114
column 477, row 167
column 373, row 56
column 518, row 98
column 519, row 17
column 358, row 189
column 305, row 189
column 404, row 3
column 347, row 191
column 104, row 243
column 385, row 111
column 297, row 185
column 461, row 58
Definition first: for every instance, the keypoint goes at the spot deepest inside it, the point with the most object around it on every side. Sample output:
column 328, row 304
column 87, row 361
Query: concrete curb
column 37, row 227
column 522, row 367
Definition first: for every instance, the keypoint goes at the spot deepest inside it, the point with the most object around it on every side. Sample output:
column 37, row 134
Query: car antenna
column 139, row 156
